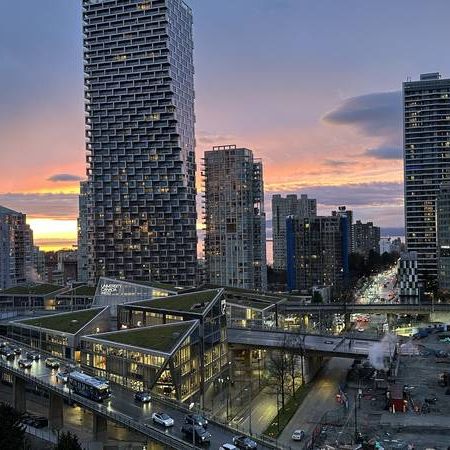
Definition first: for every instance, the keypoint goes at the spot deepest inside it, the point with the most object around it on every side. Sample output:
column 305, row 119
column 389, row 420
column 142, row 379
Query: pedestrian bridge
column 293, row 306
column 321, row 345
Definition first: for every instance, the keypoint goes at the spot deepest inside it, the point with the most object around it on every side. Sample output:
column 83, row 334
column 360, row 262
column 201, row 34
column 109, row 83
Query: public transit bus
column 89, row 387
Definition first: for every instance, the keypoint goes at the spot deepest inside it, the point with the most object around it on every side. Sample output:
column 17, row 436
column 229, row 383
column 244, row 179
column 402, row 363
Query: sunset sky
column 312, row 86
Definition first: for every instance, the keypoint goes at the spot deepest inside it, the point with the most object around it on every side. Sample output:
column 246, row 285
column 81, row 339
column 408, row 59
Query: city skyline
column 337, row 139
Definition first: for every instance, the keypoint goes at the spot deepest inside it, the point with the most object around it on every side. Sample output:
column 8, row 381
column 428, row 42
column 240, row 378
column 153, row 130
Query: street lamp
column 250, row 412
column 191, row 408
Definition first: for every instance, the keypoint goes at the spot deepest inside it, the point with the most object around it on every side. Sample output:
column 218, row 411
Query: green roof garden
column 67, row 322
column 162, row 338
column 157, row 285
column 250, row 303
column 81, row 291
column 193, row 302
column 32, row 289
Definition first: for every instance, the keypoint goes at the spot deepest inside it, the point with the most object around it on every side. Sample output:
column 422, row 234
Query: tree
column 12, row 430
column 68, row 441
column 278, row 369
column 294, row 355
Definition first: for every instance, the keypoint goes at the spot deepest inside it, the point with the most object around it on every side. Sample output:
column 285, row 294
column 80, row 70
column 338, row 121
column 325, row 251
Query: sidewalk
column 320, row 399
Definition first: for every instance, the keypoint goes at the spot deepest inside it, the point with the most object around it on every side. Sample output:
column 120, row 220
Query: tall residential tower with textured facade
column 426, row 111
column 235, row 241
column 139, row 89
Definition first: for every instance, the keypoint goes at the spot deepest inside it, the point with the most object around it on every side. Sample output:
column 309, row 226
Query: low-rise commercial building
column 165, row 359
column 208, row 307
column 30, row 297
column 59, row 334
column 112, row 292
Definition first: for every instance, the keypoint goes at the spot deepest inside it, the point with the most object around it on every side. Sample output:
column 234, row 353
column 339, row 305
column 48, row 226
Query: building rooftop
column 157, row 285
column 81, row 291
column 192, row 302
column 161, row 338
column 32, row 289
column 66, row 322
column 7, row 211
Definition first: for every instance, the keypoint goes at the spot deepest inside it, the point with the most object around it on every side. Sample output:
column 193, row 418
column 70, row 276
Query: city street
column 320, row 399
column 122, row 401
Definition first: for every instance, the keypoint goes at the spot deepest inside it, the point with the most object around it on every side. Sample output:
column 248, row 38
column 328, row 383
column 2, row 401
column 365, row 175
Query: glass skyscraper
column 139, row 92
column 426, row 107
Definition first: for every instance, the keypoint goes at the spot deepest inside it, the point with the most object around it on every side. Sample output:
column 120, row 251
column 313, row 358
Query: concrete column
column 55, row 412
column 100, row 427
column 312, row 364
column 391, row 319
column 19, row 396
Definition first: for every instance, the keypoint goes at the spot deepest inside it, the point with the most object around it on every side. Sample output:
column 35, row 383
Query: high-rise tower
column 283, row 207
column 426, row 111
column 139, row 89
column 235, row 242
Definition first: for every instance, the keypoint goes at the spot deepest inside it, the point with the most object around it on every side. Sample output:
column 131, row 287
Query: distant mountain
column 394, row 231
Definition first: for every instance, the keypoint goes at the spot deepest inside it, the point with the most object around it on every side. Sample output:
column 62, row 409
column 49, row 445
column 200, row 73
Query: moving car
column 8, row 353
column 62, row 376
column 162, row 419
column 244, row 442
column 16, row 350
column 201, row 436
column 298, row 435
column 142, row 396
column 35, row 421
column 228, row 447
column 52, row 363
column 25, row 363
column 33, row 356
column 196, row 419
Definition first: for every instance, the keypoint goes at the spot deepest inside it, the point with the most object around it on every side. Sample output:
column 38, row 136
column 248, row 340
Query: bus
column 89, row 387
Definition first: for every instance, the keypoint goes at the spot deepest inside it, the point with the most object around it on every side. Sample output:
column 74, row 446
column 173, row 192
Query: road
column 320, row 399
column 122, row 401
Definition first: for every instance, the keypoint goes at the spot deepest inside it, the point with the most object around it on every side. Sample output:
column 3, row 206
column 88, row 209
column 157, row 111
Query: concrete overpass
column 319, row 345
column 292, row 307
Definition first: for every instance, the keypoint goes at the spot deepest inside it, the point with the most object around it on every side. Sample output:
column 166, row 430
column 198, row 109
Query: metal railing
column 101, row 410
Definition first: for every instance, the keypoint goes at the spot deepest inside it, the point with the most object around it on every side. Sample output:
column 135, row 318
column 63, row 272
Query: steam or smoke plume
column 381, row 349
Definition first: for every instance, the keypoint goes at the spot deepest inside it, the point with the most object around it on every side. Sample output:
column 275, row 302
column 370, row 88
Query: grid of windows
column 426, row 164
column 140, row 139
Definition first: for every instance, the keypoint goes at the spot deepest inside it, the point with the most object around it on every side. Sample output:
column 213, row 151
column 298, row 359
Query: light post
column 191, row 408
column 250, row 411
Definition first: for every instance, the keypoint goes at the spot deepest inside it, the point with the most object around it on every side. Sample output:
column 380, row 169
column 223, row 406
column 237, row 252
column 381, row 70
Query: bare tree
column 278, row 369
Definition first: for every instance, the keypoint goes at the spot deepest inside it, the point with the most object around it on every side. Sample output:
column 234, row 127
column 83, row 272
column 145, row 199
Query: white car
column 163, row 419
column 228, row 447
column 298, row 435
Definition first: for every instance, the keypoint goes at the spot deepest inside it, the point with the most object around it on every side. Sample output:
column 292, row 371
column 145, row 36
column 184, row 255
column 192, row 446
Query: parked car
column 62, row 376
column 228, row 447
column 25, row 363
column 244, row 443
column 162, row 419
column 33, row 356
column 142, row 396
column 298, row 435
column 196, row 419
column 201, row 436
column 52, row 363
